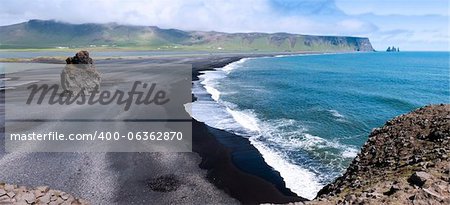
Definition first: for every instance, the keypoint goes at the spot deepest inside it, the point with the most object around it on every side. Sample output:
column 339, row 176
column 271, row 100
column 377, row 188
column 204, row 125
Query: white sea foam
column 230, row 67
column 215, row 94
column 339, row 117
column 350, row 153
column 305, row 54
column 301, row 181
column 209, row 81
column 212, row 113
column 246, row 119
column 297, row 54
column 335, row 113
column 291, row 173
column 188, row 108
column 299, row 138
column 285, row 134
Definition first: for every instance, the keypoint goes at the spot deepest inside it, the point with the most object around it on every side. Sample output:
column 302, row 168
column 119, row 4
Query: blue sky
column 408, row 24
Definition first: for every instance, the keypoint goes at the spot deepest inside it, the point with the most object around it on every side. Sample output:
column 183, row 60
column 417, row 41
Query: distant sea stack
column 393, row 49
column 53, row 34
column 407, row 161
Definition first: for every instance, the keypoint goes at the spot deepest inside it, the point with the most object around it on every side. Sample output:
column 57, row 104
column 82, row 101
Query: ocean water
column 309, row 115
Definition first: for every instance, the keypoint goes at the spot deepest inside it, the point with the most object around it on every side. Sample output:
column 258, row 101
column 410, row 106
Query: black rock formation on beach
column 79, row 76
column 81, row 57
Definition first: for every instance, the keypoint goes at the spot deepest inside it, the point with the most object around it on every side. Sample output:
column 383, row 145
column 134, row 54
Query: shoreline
column 226, row 157
column 213, row 172
column 219, row 157
column 146, row 55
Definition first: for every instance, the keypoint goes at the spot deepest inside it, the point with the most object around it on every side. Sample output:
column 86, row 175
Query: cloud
column 357, row 26
column 304, row 16
column 320, row 17
column 394, row 7
column 306, row 7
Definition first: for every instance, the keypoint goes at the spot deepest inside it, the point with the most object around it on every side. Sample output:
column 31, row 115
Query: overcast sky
column 409, row 24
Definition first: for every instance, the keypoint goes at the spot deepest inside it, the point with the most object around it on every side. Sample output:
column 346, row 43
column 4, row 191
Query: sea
column 309, row 115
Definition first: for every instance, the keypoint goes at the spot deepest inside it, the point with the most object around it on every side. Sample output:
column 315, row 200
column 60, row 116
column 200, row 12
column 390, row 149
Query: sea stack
column 79, row 76
column 407, row 161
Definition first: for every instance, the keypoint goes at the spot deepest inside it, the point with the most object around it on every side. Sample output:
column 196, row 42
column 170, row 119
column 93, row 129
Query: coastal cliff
column 407, row 161
column 40, row 34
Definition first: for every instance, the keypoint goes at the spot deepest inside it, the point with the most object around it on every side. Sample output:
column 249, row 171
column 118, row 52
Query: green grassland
column 52, row 35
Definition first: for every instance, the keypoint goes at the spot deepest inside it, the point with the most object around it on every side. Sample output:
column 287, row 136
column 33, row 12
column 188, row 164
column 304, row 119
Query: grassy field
column 38, row 35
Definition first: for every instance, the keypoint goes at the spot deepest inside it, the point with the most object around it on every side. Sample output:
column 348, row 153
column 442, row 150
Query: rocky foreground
column 407, row 161
column 13, row 194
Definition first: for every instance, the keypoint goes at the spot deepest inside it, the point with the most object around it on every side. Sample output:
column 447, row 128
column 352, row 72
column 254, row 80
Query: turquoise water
column 309, row 115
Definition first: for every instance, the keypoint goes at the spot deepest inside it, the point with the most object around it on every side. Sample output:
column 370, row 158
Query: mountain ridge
column 55, row 34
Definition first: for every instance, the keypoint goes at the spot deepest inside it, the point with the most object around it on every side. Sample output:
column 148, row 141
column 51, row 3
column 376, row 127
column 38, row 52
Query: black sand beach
column 230, row 162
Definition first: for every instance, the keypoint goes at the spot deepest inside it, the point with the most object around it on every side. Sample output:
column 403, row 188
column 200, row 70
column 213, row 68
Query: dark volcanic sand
column 158, row 178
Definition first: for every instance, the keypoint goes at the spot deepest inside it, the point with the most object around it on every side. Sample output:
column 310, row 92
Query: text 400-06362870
column 107, row 136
